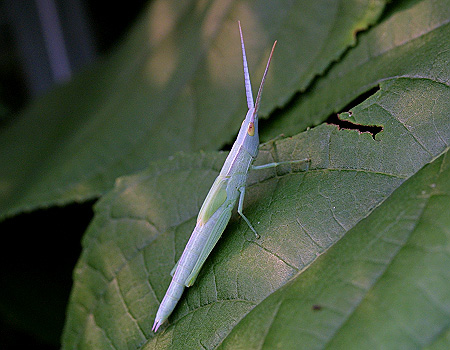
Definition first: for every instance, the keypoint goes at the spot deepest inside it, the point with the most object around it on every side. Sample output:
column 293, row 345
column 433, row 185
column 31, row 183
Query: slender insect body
column 185, row 267
column 202, row 231
column 216, row 210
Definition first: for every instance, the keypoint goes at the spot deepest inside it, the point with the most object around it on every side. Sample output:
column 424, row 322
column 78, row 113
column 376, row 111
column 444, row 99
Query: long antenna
column 258, row 97
column 248, row 85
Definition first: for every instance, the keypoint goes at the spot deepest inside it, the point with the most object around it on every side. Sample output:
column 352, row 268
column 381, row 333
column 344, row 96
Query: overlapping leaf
column 411, row 43
column 384, row 285
column 174, row 84
column 300, row 283
column 140, row 231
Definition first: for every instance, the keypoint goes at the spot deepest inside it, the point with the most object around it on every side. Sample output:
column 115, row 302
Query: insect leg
column 275, row 164
column 240, row 207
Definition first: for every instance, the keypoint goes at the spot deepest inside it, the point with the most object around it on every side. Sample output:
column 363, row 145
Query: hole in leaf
column 345, row 124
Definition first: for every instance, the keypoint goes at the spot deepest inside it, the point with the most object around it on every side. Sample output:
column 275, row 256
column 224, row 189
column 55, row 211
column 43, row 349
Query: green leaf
column 174, row 84
column 354, row 245
column 384, row 285
column 411, row 43
column 350, row 254
column 141, row 228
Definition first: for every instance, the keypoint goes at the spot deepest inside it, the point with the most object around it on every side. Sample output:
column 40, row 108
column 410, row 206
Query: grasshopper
column 215, row 212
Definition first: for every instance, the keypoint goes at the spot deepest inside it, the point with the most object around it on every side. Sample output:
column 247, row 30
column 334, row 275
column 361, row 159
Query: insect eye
column 251, row 129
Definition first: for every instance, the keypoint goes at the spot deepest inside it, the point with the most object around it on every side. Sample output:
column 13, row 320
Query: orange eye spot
column 251, row 129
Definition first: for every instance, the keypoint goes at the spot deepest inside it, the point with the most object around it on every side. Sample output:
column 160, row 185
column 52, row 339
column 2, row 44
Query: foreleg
column 240, row 207
column 275, row 164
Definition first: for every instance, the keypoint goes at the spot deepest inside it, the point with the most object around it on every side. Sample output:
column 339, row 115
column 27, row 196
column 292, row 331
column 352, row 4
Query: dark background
column 39, row 250
column 43, row 42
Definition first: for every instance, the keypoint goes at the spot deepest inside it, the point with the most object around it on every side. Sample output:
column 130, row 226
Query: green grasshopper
column 216, row 210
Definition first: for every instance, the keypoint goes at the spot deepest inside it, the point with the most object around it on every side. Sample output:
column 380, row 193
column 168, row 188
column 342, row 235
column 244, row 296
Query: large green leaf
column 411, row 42
column 384, row 285
column 350, row 254
column 141, row 228
column 174, row 84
